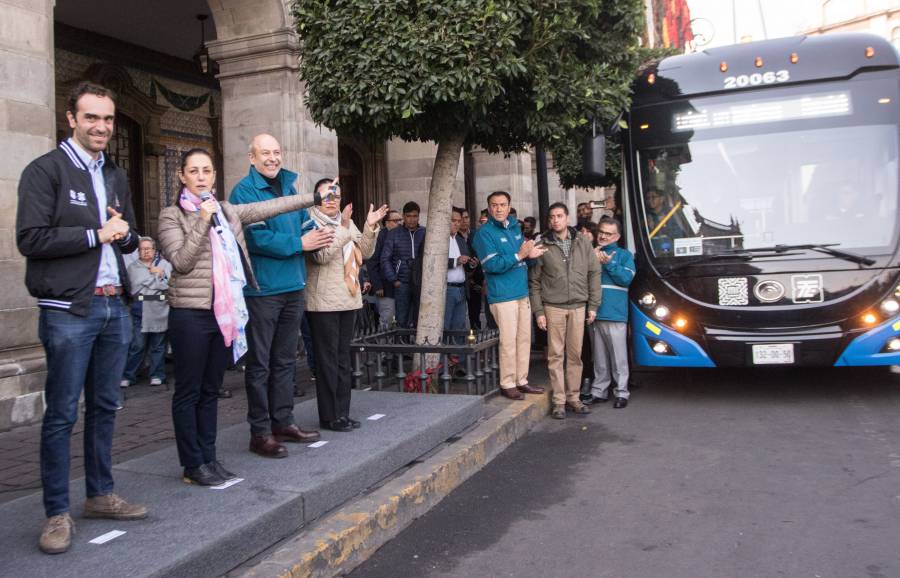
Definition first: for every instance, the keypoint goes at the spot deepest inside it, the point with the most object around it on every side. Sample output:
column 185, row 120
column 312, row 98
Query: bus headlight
column 680, row 323
column 647, row 300
column 890, row 306
column 870, row 318
column 893, row 344
column 662, row 347
column 661, row 312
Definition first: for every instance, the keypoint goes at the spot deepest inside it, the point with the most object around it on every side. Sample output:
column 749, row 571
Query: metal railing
column 468, row 361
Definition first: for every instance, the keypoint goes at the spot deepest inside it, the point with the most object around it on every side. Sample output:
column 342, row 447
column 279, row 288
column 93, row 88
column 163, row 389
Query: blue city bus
column 762, row 205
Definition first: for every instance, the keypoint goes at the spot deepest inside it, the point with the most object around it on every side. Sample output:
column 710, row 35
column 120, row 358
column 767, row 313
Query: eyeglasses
column 331, row 197
column 394, row 220
column 606, row 233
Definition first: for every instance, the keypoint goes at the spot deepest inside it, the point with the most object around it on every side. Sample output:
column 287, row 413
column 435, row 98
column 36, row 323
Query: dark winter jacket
column 57, row 226
column 401, row 247
column 373, row 266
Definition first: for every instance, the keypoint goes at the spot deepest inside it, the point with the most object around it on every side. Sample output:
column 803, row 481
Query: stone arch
column 239, row 18
column 257, row 50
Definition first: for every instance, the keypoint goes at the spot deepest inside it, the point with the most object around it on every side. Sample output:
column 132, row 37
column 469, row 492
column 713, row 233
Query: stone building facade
column 143, row 50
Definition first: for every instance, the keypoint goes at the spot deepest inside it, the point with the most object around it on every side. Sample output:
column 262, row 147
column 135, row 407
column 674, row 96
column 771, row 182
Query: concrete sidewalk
column 194, row 531
column 143, row 426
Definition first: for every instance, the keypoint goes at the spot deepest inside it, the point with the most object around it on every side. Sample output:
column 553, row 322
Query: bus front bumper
column 655, row 344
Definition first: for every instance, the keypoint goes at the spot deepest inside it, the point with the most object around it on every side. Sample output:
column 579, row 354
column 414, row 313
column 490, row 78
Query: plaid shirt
column 566, row 246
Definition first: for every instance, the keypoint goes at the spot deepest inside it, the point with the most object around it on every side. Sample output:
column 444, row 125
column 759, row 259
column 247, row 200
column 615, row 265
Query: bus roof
column 765, row 63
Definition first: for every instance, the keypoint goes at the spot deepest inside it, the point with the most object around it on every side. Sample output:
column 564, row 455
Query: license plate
column 773, row 353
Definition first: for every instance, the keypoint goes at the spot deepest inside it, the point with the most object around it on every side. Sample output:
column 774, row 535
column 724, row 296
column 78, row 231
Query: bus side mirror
column 594, row 155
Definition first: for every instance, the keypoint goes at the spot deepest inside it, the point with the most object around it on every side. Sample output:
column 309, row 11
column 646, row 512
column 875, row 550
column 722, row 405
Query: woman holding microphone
column 204, row 241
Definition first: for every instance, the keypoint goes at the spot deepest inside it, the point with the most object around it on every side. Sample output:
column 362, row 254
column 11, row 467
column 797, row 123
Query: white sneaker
column 156, row 381
column 124, row 383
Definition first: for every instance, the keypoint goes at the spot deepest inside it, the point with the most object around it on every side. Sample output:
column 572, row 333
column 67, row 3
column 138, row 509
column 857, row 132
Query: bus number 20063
column 756, row 79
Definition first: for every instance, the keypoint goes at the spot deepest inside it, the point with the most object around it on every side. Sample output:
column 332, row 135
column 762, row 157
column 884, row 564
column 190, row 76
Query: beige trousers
column 514, row 320
column 565, row 334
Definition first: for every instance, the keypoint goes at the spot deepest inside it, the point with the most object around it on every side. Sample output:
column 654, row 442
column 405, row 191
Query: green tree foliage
column 506, row 73
column 501, row 74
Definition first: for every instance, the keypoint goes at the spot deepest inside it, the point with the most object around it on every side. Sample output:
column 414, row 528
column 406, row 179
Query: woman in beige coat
column 333, row 296
column 204, row 241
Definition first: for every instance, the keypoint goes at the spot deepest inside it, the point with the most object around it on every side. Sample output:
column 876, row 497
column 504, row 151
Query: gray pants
column 610, row 342
column 386, row 312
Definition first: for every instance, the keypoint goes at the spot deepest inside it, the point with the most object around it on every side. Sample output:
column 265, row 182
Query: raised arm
column 262, row 210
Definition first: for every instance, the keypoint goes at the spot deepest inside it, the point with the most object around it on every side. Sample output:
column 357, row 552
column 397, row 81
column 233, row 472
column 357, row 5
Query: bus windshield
column 801, row 167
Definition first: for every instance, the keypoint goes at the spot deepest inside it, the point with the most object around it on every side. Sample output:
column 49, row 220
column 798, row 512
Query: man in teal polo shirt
column 503, row 251
column 276, row 308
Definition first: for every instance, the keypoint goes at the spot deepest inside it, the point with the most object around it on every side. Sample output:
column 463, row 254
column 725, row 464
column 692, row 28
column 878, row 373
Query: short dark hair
column 410, row 207
column 530, row 220
column 584, row 204
column 610, row 221
column 86, row 87
column 558, row 206
column 495, row 193
column 456, row 210
column 484, row 212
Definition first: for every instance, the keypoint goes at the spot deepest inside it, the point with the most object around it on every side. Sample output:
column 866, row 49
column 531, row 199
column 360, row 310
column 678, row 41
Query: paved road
column 706, row 473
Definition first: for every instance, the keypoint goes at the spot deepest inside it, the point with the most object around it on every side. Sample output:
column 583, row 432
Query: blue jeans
column 455, row 312
column 406, row 303
column 154, row 344
column 82, row 353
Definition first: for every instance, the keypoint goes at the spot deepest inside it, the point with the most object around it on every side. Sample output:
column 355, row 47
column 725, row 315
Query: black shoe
column 217, row 467
column 594, row 400
column 585, row 397
column 353, row 423
column 336, row 425
column 620, row 403
column 203, row 476
column 224, row 393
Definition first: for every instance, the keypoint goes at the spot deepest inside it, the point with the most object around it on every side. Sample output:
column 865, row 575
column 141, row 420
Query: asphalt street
column 720, row 473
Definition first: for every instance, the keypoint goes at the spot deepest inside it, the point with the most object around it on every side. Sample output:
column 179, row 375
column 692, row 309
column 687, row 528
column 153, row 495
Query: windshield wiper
column 740, row 255
column 826, row 248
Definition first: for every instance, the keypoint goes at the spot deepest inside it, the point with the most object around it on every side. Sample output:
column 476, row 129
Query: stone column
column 409, row 168
column 27, row 131
column 261, row 92
column 513, row 174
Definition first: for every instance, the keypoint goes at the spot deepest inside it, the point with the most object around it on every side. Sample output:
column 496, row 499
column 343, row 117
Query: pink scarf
column 228, row 280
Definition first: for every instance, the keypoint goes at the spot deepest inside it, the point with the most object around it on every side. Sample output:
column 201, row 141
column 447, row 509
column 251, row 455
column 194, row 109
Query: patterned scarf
column 351, row 252
column 228, row 279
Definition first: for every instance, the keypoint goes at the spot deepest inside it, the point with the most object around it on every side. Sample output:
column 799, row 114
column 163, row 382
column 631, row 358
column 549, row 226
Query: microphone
column 217, row 225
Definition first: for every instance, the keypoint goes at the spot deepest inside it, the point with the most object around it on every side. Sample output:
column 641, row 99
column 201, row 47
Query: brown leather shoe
column 511, row 393
column 56, row 537
column 113, row 507
column 530, row 388
column 293, row 433
column 267, row 447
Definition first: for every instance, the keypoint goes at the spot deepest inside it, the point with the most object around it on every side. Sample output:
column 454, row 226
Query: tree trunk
column 437, row 243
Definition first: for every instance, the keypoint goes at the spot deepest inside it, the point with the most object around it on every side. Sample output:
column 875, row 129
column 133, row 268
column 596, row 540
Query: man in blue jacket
column 401, row 248
column 503, row 252
column 611, row 327
column 276, row 308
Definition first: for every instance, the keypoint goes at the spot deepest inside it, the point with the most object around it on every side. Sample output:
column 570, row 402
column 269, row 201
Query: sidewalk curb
column 347, row 537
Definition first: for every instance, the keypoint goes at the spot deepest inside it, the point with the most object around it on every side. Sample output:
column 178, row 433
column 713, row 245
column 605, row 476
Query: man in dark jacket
column 383, row 291
column 276, row 307
column 565, row 293
column 74, row 221
column 401, row 248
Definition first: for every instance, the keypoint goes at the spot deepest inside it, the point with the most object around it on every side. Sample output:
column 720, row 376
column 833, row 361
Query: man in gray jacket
column 565, row 293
